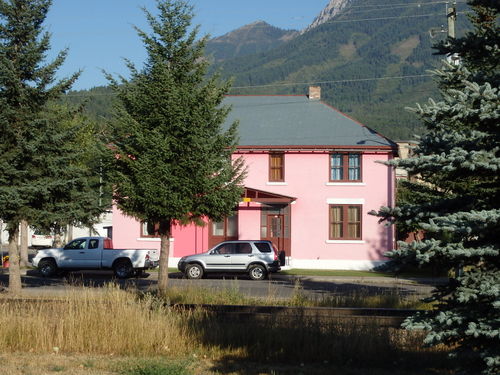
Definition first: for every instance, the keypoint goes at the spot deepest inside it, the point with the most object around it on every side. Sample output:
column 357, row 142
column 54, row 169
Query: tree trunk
column 165, row 232
column 14, row 270
column 58, row 241
column 24, row 244
column 69, row 233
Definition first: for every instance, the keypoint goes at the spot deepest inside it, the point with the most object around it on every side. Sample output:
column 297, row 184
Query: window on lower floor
column 226, row 228
column 345, row 167
column 150, row 229
column 345, row 222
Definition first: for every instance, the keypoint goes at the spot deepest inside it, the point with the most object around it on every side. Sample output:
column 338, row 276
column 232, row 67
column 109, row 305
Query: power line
column 363, row 19
column 376, row 19
column 290, row 84
column 420, row 3
column 335, row 81
column 347, row 11
column 382, row 7
column 387, row 18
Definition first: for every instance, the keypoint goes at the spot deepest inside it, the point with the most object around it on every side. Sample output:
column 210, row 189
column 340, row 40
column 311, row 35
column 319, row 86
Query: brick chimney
column 314, row 93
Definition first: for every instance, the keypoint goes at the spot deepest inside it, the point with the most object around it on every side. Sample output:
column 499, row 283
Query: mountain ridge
column 352, row 58
column 256, row 37
column 332, row 9
column 372, row 62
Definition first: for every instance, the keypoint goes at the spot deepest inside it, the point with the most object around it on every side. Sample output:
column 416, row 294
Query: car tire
column 257, row 272
column 123, row 269
column 47, row 267
column 194, row 271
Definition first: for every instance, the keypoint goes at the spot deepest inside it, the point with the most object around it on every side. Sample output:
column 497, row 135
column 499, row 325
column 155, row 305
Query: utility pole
column 451, row 14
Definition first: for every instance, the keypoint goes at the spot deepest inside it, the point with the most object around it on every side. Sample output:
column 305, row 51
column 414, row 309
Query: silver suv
column 257, row 258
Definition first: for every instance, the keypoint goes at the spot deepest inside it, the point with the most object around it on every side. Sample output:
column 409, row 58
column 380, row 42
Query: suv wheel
column 257, row 272
column 194, row 271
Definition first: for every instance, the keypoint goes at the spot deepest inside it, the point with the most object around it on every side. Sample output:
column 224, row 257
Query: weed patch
column 156, row 368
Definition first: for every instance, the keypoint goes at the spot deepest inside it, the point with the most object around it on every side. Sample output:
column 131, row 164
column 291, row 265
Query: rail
column 388, row 317
column 383, row 317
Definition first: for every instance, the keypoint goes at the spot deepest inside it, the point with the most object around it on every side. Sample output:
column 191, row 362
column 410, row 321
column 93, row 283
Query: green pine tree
column 173, row 160
column 44, row 177
column 457, row 201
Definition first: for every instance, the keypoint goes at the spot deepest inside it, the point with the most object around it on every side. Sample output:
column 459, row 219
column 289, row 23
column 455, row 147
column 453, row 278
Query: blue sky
column 99, row 33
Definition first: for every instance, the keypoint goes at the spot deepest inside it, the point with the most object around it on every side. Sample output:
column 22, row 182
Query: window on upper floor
column 276, row 167
column 345, row 167
column 345, row 222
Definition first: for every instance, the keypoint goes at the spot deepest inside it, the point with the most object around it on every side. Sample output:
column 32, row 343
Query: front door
column 275, row 226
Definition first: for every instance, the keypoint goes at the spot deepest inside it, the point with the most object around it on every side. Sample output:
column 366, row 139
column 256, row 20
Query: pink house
column 313, row 176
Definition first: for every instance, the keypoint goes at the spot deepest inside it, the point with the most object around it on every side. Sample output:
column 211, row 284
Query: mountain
column 370, row 57
column 254, row 38
column 333, row 8
column 351, row 50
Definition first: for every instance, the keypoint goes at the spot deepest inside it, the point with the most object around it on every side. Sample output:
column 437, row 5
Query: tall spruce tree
column 173, row 159
column 43, row 179
column 457, row 200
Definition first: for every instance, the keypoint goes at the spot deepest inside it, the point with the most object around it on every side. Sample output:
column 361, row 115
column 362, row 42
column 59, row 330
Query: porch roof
column 261, row 196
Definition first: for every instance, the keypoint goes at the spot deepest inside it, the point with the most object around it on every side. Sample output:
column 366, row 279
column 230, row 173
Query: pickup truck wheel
column 194, row 271
column 47, row 267
column 257, row 272
column 123, row 269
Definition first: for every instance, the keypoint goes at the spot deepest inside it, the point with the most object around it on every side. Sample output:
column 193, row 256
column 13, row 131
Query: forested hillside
column 371, row 61
column 250, row 39
column 371, row 40
column 97, row 103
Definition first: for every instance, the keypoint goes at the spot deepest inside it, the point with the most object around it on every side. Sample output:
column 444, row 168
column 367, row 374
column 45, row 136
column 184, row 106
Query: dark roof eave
column 322, row 148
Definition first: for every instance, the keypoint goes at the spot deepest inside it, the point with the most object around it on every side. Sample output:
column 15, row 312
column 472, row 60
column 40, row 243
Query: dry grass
column 105, row 331
column 111, row 322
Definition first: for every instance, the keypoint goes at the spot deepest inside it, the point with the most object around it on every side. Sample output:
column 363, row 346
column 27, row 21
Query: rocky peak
column 333, row 8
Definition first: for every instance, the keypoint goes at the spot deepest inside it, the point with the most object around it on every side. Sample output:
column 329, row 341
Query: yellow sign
column 247, row 199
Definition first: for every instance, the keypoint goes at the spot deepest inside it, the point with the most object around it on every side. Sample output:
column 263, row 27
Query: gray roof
column 297, row 121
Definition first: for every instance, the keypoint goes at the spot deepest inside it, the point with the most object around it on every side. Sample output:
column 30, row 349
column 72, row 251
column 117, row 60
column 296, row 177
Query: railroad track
column 383, row 317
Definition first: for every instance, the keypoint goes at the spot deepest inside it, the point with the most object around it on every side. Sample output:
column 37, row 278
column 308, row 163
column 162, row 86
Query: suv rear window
column 263, row 247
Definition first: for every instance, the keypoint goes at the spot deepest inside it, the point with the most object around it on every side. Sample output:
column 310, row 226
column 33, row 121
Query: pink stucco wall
column 307, row 179
column 249, row 221
column 185, row 241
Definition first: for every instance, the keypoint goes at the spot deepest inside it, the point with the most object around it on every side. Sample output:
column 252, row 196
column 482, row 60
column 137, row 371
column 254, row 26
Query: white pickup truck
column 94, row 253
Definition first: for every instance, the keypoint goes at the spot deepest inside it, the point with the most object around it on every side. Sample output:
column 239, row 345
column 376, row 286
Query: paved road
column 280, row 286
